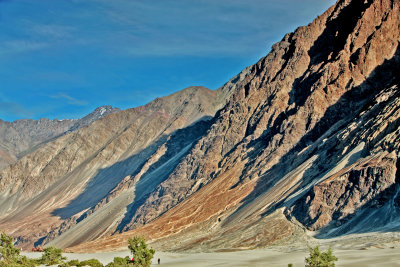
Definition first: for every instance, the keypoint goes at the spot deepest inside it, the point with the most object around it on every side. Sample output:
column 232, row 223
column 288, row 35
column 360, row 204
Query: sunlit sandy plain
column 356, row 250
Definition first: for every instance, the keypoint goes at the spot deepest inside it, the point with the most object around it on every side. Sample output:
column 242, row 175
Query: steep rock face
column 20, row 137
column 367, row 182
column 371, row 181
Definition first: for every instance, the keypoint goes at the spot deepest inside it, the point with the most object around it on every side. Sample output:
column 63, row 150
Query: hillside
column 65, row 180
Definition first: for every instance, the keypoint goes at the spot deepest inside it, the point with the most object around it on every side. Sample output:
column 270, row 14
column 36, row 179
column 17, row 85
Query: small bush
column 10, row 254
column 120, row 262
column 70, row 263
column 7, row 249
column 26, row 262
column 91, row 263
column 73, row 263
column 320, row 259
column 52, row 255
column 142, row 255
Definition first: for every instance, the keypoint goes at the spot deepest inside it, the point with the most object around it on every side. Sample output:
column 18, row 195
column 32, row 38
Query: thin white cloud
column 70, row 100
column 20, row 46
column 167, row 27
column 8, row 108
column 201, row 28
column 52, row 31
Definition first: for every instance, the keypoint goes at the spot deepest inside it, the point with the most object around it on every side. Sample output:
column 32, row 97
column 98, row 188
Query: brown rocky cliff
column 371, row 181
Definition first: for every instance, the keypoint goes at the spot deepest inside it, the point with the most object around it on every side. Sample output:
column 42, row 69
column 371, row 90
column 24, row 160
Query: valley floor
column 259, row 257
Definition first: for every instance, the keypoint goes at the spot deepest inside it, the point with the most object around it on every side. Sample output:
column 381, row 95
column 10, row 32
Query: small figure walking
column 159, row 260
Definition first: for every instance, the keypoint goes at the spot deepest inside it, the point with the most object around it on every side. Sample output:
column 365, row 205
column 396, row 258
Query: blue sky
column 63, row 58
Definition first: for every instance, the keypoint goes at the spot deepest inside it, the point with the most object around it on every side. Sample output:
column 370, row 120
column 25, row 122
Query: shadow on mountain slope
column 177, row 145
column 105, row 180
column 328, row 45
column 380, row 214
column 337, row 116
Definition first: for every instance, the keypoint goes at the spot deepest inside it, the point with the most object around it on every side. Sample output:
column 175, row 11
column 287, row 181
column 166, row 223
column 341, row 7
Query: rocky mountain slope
column 307, row 139
column 23, row 136
column 66, row 180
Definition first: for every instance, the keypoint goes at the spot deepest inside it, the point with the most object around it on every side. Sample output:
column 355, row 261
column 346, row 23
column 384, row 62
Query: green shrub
column 142, row 255
column 52, row 255
column 120, row 262
column 10, row 254
column 73, row 263
column 70, row 263
column 91, row 263
column 26, row 262
column 20, row 261
column 7, row 249
column 320, row 259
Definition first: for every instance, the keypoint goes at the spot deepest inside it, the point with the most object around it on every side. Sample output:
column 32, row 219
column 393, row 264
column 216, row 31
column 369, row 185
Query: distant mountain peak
column 97, row 114
column 19, row 137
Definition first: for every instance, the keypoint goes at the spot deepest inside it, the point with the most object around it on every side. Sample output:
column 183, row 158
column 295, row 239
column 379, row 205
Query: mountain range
column 23, row 136
column 303, row 144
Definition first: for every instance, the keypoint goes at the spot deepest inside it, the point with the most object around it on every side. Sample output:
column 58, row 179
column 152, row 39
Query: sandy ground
column 253, row 258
